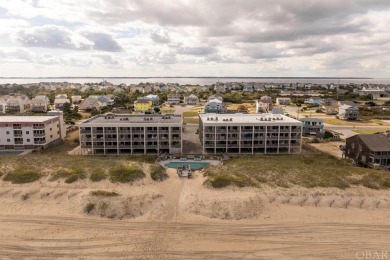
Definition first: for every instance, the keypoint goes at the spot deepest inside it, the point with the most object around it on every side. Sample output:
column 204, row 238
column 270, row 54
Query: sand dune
column 180, row 218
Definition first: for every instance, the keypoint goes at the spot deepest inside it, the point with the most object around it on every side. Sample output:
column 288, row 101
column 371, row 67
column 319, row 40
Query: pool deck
column 211, row 162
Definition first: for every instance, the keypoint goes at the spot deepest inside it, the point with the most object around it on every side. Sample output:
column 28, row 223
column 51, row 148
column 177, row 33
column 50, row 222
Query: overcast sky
column 195, row 38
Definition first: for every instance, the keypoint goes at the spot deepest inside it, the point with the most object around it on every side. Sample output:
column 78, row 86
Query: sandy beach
column 181, row 218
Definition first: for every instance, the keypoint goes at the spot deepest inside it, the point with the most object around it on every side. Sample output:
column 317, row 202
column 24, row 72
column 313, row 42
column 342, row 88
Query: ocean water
column 194, row 80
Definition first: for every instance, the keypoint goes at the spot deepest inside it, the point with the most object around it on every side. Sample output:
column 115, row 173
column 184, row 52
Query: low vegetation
column 158, row 173
column 126, row 174
column 310, row 169
column 70, row 175
column 98, row 175
column 89, row 207
column 102, row 193
column 190, row 113
column 190, row 120
column 20, row 176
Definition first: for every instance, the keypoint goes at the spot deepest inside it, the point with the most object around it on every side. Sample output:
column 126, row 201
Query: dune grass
column 102, row 193
column 98, row 175
column 310, row 169
column 70, row 175
column 126, row 174
column 21, row 175
column 158, row 173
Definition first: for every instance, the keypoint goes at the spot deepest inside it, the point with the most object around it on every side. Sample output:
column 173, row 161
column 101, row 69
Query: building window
column 28, row 140
column 50, row 128
column 51, row 136
column 8, row 140
column 7, row 132
column 27, row 132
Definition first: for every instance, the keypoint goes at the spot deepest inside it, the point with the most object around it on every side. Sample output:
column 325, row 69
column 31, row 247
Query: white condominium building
column 250, row 133
column 31, row 132
column 119, row 134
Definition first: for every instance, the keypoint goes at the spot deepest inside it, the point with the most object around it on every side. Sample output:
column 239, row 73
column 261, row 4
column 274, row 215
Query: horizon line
column 188, row 77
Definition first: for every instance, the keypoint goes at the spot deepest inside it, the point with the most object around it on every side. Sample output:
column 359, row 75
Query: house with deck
column 369, row 150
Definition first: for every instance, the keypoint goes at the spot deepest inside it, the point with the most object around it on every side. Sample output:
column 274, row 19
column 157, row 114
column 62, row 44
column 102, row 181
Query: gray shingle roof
column 376, row 142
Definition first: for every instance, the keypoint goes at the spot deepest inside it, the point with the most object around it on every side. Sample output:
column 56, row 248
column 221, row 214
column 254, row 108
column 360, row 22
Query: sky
column 246, row 38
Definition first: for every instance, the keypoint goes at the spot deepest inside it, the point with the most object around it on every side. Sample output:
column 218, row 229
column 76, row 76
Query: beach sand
column 183, row 219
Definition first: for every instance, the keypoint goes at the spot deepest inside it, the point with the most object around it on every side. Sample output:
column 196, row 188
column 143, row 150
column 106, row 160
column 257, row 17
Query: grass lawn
column 367, row 131
column 335, row 121
column 191, row 120
column 168, row 111
column 312, row 168
column 190, row 113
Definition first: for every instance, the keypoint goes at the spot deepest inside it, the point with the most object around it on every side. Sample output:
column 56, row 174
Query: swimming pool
column 194, row 165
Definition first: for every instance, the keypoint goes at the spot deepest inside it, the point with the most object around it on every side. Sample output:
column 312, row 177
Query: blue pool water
column 194, row 165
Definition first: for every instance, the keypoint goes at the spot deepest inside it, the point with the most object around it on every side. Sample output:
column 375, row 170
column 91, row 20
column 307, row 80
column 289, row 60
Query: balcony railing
column 39, row 127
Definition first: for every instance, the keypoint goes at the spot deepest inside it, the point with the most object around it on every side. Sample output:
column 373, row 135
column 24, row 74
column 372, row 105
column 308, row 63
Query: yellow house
column 143, row 105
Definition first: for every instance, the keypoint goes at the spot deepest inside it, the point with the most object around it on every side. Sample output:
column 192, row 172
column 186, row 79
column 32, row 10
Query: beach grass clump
column 102, row 193
column 126, row 174
column 158, row 172
column 21, row 175
column 70, row 175
column 98, row 175
column 89, row 207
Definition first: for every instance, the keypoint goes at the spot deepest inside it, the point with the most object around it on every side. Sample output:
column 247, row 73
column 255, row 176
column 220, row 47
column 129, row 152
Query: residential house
column 214, row 105
column 3, row 103
column 17, row 104
column 143, row 105
column 91, row 103
column 348, row 112
column 154, row 98
column 249, row 134
column 76, row 100
column 59, row 103
column 259, row 88
column 248, row 87
column 313, row 127
column 40, row 103
column 264, row 104
column 173, row 98
column 370, row 150
column 282, row 101
column 313, row 101
column 61, row 96
column 131, row 134
column 191, row 100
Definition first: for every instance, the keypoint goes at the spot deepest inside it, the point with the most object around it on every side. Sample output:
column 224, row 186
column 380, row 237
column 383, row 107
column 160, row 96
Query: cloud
column 52, row 36
column 103, row 42
column 158, row 36
column 197, row 51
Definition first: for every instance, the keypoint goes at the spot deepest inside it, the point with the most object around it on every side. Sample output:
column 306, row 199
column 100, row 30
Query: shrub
column 158, row 173
column 103, row 193
column 89, row 207
column 223, row 180
column 125, row 174
column 98, row 175
column 21, row 176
